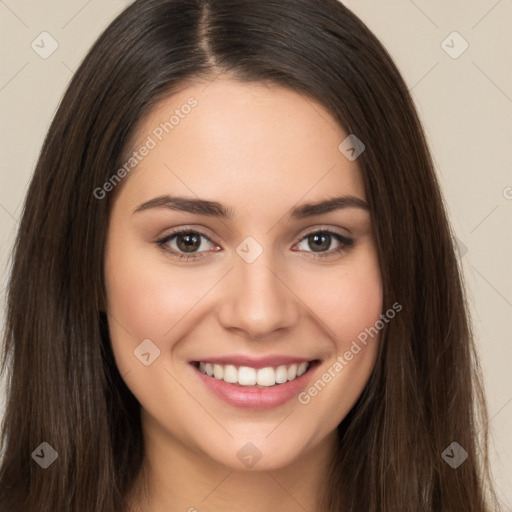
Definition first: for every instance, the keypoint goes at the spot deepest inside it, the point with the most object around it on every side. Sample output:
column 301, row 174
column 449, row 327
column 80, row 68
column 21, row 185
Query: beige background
column 465, row 104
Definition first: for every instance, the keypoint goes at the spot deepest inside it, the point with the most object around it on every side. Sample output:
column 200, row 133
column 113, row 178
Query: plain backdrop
column 454, row 55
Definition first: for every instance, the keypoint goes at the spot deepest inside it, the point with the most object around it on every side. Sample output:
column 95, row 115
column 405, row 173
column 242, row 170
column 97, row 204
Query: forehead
column 252, row 145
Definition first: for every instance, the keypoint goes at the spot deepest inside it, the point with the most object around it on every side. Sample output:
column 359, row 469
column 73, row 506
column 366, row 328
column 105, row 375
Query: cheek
column 348, row 301
column 146, row 293
column 146, row 299
column 349, row 306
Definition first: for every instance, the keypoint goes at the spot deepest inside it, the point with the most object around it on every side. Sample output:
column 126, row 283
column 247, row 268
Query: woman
column 174, row 343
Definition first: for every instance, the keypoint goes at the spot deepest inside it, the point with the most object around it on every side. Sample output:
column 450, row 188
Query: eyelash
column 345, row 243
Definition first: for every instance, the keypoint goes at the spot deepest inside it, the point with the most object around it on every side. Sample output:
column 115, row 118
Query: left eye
column 321, row 241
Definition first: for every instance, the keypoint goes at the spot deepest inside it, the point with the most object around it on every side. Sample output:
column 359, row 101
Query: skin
column 260, row 150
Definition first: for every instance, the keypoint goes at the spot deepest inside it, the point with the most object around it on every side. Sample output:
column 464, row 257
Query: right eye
column 185, row 243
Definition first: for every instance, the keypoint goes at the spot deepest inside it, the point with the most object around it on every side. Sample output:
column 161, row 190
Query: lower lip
column 256, row 398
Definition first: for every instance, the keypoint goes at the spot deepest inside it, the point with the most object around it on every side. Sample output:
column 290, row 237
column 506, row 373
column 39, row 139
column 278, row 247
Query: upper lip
column 254, row 362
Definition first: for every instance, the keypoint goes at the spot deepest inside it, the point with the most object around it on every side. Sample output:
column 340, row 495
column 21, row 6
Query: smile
column 247, row 376
column 255, row 384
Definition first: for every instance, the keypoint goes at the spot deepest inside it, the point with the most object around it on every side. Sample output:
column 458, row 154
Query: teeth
column 281, row 374
column 218, row 371
column 230, row 374
column 301, row 369
column 247, row 376
column 266, row 377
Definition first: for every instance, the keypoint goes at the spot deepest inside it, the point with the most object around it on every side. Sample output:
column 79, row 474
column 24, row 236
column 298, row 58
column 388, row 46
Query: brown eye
column 186, row 244
column 189, row 242
column 322, row 241
column 319, row 242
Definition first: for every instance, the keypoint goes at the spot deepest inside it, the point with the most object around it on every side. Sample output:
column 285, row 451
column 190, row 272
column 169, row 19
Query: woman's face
column 260, row 284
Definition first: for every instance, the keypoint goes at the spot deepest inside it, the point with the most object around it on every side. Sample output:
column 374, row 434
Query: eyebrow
column 215, row 209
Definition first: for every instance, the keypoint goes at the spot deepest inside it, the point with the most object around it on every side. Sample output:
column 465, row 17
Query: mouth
column 247, row 376
column 255, row 386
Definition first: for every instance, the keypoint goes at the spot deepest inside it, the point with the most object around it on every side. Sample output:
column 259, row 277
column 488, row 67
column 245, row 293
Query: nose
column 257, row 299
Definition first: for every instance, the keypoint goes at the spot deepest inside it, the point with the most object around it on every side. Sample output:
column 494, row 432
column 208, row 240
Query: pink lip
column 252, row 397
column 252, row 362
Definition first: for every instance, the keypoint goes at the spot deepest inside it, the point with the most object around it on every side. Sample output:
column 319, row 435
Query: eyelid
column 322, row 229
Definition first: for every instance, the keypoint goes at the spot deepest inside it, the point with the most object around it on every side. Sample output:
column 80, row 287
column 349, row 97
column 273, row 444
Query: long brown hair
column 64, row 389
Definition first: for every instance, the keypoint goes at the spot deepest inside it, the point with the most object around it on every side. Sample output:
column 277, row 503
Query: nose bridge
column 257, row 301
